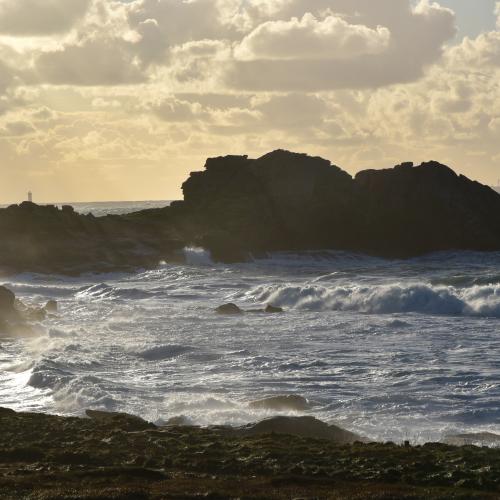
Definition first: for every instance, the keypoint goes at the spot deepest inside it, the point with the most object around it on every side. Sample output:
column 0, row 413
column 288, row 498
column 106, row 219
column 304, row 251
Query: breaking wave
column 196, row 256
column 386, row 299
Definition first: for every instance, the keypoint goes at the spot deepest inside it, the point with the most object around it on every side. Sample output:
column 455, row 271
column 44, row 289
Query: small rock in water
column 278, row 403
column 51, row 306
column 229, row 309
column 273, row 309
column 7, row 300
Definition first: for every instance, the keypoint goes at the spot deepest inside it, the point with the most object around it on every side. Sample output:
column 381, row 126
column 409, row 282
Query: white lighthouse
column 30, row 196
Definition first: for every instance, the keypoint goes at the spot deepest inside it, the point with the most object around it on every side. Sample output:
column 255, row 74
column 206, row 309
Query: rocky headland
column 238, row 207
column 119, row 456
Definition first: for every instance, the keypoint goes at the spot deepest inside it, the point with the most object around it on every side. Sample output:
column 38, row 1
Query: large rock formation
column 282, row 201
column 288, row 201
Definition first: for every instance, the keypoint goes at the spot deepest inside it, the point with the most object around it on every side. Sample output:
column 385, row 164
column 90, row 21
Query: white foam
column 196, row 256
column 385, row 299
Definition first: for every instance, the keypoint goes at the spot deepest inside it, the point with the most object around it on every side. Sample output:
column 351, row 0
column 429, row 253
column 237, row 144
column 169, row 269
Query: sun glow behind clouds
column 107, row 99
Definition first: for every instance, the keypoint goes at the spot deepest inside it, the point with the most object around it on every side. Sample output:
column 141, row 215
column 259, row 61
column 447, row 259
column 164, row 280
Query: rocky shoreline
column 118, row 456
column 239, row 207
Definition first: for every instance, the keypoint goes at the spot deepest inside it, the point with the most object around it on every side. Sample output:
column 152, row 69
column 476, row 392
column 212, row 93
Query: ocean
column 392, row 349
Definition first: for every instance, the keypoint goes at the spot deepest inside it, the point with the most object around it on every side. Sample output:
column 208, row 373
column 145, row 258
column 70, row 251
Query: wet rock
column 7, row 300
column 280, row 403
column 229, row 309
column 51, row 306
column 270, row 309
column 301, row 426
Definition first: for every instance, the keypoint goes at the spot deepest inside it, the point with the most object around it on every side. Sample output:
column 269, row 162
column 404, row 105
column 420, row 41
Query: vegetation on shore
column 123, row 457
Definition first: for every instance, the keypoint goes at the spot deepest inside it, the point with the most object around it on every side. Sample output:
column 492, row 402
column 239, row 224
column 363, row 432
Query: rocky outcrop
column 289, row 201
column 239, row 207
column 15, row 317
column 281, row 201
column 411, row 210
column 309, row 427
column 45, row 239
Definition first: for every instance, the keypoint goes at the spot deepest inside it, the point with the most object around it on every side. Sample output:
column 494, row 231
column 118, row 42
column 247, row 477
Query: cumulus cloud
column 15, row 129
column 416, row 40
column 40, row 17
column 311, row 38
column 96, row 62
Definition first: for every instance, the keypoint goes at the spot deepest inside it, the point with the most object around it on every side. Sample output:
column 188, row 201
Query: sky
column 120, row 100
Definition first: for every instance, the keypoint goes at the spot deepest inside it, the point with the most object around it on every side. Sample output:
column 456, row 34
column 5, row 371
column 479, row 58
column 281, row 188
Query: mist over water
column 390, row 349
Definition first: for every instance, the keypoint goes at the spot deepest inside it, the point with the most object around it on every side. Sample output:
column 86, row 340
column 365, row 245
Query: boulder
column 7, row 300
column 273, row 309
column 229, row 310
column 301, row 426
column 282, row 403
column 51, row 306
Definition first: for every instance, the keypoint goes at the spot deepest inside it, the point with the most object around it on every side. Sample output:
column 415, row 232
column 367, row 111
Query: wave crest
column 386, row 299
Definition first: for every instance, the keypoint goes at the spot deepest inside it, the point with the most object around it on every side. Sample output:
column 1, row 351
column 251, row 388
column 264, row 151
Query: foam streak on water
column 391, row 349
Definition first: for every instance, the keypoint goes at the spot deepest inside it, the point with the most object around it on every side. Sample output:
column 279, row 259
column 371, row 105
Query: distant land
column 239, row 207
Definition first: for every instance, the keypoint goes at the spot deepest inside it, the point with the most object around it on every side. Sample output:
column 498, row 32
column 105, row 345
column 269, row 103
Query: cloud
column 16, row 129
column 416, row 41
column 40, row 17
column 311, row 38
column 96, row 62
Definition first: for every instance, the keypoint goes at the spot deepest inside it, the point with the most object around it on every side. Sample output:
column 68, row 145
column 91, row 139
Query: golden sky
column 120, row 100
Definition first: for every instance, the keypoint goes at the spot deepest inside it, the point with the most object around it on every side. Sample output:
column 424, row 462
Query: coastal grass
column 123, row 457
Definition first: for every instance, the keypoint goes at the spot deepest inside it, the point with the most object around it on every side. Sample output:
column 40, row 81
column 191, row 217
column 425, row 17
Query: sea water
column 391, row 349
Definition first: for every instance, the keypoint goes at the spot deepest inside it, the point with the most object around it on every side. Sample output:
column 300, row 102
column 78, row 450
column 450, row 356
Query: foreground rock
column 309, row 427
column 120, row 456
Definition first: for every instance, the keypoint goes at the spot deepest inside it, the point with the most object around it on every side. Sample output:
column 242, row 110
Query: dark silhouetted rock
column 293, row 202
column 280, row 403
column 16, row 316
column 229, row 309
column 240, row 207
column 45, row 239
